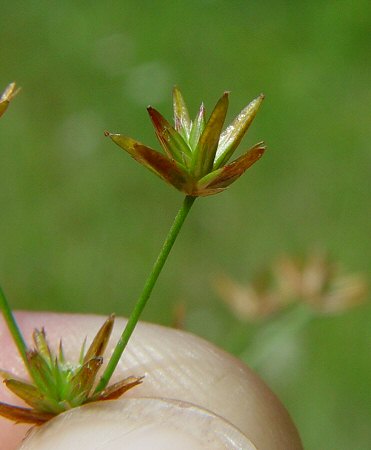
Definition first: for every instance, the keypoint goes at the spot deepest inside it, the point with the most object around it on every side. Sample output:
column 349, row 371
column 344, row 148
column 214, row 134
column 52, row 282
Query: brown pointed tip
column 262, row 146
column 262, row 96
column 152, row 112
column 107, row 133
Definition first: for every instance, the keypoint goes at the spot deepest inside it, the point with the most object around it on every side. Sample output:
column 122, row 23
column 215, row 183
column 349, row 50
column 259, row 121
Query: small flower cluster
column 196, row 152
column 59, row 385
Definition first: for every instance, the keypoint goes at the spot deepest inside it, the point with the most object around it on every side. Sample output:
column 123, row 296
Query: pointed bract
column 166, row 169
column 198, row 127
column 100, row 341
column 61, row 356
column 126, row 143
column 204, row 154
column 162, row 166
column 182, row 121
column 116, row 390
column 41, row 372
column 82, row 382
column 229, row 173
column 171, row 141
column 24, row 415
column 82, row 352
column 41, row 344
column 9, row 93
column 27, row 392
column 231, row 137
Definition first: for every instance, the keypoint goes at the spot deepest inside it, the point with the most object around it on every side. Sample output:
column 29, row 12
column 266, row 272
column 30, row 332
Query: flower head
column 10, row 92
column 196, row 152
column 57, row 385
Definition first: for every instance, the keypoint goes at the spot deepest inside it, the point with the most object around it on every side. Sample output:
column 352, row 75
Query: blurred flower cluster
column 314, row 280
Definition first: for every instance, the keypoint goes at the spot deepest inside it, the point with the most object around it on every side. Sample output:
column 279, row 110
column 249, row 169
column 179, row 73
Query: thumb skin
column 186, row 378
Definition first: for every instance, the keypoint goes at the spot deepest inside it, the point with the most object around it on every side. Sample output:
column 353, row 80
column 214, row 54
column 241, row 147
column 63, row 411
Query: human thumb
column 194, row 395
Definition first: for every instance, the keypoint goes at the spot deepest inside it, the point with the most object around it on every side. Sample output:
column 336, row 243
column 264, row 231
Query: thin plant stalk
column 13, row 328
column 148, row 287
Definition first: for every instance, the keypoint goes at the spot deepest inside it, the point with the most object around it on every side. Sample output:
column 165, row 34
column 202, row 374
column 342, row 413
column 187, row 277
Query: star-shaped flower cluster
column 57, row 385
column 196, row 152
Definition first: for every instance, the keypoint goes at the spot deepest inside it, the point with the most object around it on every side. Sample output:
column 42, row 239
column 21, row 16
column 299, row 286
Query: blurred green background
column 81, row 222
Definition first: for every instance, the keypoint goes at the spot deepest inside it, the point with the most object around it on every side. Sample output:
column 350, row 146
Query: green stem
column 148, row 287
column 13, row 328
